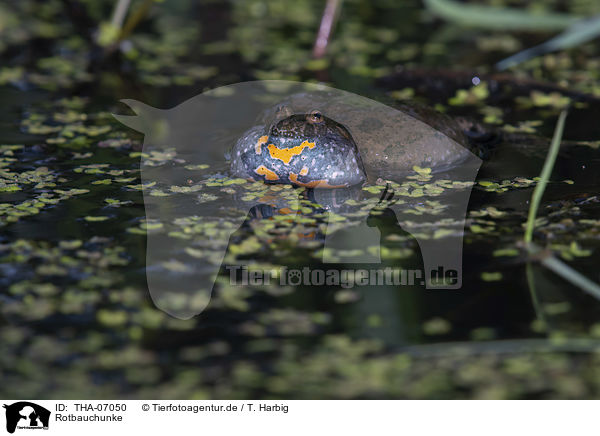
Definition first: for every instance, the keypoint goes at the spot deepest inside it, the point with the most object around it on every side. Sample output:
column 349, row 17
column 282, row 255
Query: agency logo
column 24, row 415
column 280, row 132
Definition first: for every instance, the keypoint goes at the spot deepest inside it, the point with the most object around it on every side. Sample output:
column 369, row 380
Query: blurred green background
column 76, row 320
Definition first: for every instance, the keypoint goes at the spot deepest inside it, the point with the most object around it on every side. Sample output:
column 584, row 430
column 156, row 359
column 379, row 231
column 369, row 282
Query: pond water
column 76, row 316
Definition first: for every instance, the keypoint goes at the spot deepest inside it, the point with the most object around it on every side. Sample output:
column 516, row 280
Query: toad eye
column 315, row 117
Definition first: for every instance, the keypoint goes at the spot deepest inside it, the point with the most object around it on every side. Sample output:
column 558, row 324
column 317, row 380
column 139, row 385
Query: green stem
column 119, row 13
column 330, row 15
column 539, row 312
column 538, row 192
column 134, row 19
column 549, row 261
column 573, row 276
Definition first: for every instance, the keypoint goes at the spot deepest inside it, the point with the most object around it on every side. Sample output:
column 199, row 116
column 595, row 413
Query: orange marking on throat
column 261, row 141
column 264, row 171
column 314, row 183
column 286, row 154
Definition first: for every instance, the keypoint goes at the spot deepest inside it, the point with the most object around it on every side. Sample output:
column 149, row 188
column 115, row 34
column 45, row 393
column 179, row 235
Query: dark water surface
column 76, row 318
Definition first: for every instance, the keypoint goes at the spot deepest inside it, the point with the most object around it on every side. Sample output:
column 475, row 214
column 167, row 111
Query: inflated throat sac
column 307, row 150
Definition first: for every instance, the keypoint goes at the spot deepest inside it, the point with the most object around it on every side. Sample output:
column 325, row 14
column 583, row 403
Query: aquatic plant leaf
column 579, row 33
column 502, row 18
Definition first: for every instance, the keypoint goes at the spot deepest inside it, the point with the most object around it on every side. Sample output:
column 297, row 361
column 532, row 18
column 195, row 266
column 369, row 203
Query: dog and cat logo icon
column 26, row 415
